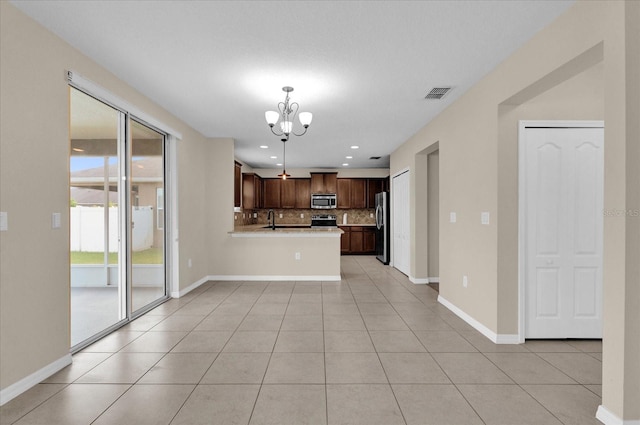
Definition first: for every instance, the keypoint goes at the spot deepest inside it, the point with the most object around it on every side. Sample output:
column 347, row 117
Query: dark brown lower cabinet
column 345, row 241
column 369, row 240
column 358, row 240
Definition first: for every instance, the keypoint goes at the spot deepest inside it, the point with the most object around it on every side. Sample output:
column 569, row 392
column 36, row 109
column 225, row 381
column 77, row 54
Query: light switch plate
column 452, row 217
column 56, row 220
column 484, row 217
column 4, row 221
column 280, row 215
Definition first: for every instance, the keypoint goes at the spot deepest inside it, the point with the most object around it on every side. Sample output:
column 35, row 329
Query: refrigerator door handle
column 378, row 217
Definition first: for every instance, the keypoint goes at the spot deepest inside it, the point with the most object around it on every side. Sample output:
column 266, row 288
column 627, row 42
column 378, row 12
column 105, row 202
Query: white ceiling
column 361, row 67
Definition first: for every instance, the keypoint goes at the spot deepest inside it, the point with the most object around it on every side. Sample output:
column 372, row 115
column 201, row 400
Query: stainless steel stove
column 323, row 220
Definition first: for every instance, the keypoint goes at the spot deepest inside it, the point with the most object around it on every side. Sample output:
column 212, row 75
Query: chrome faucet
column 271, row 216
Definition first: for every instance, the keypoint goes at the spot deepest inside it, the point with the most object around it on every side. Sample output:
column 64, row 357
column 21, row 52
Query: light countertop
column 292, row 230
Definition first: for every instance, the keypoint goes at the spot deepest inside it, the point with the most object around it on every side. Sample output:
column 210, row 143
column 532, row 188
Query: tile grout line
column 378, row 355
column 165, row 354
column 435, row 361
column 255, row 403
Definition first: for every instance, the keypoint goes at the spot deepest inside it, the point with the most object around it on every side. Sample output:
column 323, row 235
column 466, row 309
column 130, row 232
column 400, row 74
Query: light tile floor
column 370, row 349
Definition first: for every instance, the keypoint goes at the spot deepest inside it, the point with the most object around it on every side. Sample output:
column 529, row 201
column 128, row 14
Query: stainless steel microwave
column 323, row 201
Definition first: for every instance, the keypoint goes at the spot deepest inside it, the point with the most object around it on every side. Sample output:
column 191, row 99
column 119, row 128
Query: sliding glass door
column 117, row 218
column 147, row 216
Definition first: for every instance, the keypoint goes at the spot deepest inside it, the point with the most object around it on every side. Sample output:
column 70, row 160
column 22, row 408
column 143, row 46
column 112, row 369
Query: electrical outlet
column 244, row 215
column 235, row 217
column 4, row 221
column 484, row 217
column 301, row 215
column 370, row 215
column 280, row 215
column 255, row 215
column 190, row 263
column 465, row 281
column 452, row 217
column 297, row 255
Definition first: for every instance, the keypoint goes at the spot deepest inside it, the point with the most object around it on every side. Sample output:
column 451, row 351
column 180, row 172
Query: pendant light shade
column 305, row 118
column 271, row 117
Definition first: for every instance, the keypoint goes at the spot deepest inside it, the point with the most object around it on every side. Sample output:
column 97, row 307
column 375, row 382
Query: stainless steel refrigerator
column 382, row 227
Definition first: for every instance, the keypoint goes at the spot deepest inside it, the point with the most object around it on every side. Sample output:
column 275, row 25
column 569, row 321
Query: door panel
column 563, row 232
column 95, row 259
column 401, row 217
column 147, row 216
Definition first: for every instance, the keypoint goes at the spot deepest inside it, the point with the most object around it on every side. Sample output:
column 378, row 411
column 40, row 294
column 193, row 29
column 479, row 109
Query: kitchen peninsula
column 287, row 253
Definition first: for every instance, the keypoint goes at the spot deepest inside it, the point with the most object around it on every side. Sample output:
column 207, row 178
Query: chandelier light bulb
column 286, row 126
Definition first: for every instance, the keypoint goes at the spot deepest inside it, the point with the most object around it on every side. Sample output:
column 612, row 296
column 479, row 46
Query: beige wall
column 34, row 149
column 478, row 172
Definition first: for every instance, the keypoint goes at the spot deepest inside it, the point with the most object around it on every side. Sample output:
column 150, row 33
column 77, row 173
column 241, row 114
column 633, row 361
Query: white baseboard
column 185, row 291
column 434, row 279
column 418, row 280
column 607, row 417
column 14, row 390
column 496, row 338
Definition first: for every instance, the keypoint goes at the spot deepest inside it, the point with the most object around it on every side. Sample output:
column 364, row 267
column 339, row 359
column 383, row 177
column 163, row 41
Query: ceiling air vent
column 374, row 157
column 437, row 93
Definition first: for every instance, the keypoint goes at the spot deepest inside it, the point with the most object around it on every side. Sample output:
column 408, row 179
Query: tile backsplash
column 292, row 216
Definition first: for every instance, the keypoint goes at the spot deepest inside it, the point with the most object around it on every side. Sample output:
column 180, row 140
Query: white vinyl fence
column 87, row 229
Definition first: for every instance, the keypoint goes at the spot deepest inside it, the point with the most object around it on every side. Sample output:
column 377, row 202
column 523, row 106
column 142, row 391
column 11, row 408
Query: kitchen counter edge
column 259, row 230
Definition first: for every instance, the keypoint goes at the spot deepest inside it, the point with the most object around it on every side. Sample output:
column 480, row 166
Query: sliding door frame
column 126, row 114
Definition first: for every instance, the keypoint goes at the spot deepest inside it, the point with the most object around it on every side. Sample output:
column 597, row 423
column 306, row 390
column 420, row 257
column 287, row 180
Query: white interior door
column 400, row 217
column 563, row 193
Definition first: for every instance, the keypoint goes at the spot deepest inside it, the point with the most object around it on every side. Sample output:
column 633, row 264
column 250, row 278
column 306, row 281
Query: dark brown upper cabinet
column 374, row 186
column 352, row 193
column 251, row 191
column 237, row 184
column 324, row 182
column 288, row 193
column 272, row 198
column 303, row 193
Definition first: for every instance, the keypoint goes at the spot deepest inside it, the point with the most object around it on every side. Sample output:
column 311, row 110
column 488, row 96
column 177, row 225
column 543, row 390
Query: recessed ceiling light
column 279, row 165
column 273, row 157
column 348, row 157
column 264, row 147
column 345, row 165
column 355, row 147
column 78, row 150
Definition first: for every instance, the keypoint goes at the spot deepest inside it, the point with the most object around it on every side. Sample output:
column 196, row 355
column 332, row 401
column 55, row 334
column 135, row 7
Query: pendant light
column 284, row 174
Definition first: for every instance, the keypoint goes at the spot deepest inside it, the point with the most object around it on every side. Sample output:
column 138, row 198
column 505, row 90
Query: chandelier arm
column 295, row 112
column 303, row 133
column 277, row 134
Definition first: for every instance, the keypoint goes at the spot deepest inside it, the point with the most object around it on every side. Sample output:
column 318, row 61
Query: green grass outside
column 148, row 256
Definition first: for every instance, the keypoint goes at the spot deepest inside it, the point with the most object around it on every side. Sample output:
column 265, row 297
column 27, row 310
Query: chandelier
column 286, row 115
